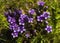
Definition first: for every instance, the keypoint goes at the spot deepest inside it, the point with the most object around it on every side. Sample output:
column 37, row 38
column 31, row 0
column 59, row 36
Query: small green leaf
column 19, row 40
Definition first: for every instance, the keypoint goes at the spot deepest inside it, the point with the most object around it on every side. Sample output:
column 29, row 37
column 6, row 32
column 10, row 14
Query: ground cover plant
column 33, row 21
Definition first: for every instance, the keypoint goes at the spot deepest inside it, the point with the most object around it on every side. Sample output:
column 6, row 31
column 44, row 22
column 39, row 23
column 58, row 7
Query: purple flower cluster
column 16, row 22
column 20, row 23
column 22, row 19
column 41, row 3
column 43, row 16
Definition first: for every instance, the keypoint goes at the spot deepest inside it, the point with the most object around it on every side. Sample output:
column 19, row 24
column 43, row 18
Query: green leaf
column 58, row 24
column 19, row 40
column 34, row 40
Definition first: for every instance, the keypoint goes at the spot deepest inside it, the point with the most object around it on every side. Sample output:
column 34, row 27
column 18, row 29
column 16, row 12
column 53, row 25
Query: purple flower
column 18, row 11
column 23, row 19
column 48, row 28
column 46, row 15
column 15, row 28
column 40, row 18
column 30, row 20
column 23, row 16
column 11, row 27
column 11, row 20
column 31, row 11
column 27, row 35
column 22, row 29
column 21, row 22
column 41, row 3
column 14, row 34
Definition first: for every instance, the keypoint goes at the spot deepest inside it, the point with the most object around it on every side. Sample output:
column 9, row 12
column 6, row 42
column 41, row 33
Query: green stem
column 2, row 39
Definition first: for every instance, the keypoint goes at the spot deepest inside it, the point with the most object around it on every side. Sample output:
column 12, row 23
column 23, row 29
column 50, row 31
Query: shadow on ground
column 6, row 37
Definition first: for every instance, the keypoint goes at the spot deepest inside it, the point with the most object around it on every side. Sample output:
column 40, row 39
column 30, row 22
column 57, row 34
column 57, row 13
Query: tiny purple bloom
column 23, row 16
column 21, row 22
column 46, row 15
column 23, row 19
column 22, row 29
column 15, row 28
column 40, row 18
column 18, row 11
column 30, row 20
column 41, row 3
column 31, row 11
column 48, row 28
column 10, row 19
column 27, row 35
column 14, row 34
